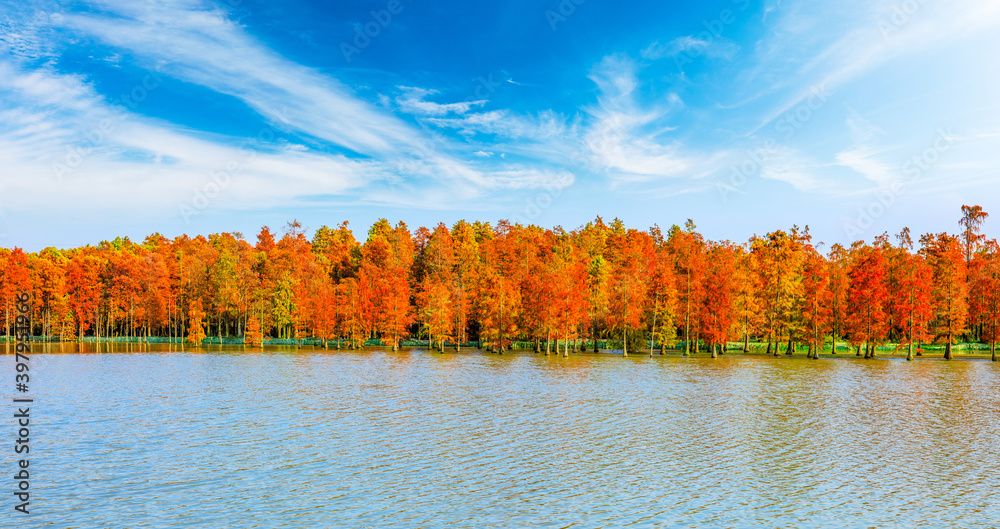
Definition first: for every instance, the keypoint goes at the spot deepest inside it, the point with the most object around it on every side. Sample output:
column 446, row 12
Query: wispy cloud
column 717, row 47
column 623, row 121
column 796, row 169
column 620, row 134
column 799, row 55
column 154, row 166
column 199, row 44
column 413, row 102
column 864, row 156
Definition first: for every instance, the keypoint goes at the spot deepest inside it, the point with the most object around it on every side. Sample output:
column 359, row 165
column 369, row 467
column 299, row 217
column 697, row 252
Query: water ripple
column 381, row 439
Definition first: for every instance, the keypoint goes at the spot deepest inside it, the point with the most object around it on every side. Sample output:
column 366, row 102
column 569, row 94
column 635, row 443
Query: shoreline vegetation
column 967, row 351
column 512, row 287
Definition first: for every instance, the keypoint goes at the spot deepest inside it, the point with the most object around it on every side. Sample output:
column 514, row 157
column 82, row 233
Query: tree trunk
column 624, row 343
column 566, row 348
column 909, row 352
column 687, row 319
column 715, row 350
column 746, row 342
column 791, row 349
column 656, row 308
column 993, row 351
column 859, row 350
column 947, row 349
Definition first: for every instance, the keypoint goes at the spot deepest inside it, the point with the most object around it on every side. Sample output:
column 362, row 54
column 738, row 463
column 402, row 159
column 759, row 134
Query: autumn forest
column 508, row 285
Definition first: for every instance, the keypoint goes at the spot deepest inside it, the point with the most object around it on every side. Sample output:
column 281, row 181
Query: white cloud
column 717, row 47
column 527, row 178
column 864, row 160
column 63, row 146
column 864, row 156
column 153, row 167
column 618, row 136
column 799, row 51
column 794, row 168
column 507, row 124
column 199, row 44
column 413, row 102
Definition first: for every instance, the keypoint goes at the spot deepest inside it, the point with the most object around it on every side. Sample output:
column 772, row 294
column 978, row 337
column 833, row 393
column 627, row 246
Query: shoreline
column 184, row 347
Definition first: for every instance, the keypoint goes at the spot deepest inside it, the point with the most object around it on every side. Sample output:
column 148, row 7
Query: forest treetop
column 505, row 282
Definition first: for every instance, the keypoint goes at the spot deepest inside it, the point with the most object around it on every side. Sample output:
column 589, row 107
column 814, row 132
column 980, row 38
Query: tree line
column 499, row 284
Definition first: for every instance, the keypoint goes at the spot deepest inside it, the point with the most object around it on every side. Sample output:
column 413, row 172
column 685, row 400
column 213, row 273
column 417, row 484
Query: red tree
column 867, row 320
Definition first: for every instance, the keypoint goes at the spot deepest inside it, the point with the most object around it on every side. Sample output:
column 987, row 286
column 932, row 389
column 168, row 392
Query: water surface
column 308, row 438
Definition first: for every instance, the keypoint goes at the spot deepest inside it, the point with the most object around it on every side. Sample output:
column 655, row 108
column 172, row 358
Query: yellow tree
column 436, row 258
column 748, row 310
column 196, row 328
column 662, row 296
column 838, row 261
column 780, row 260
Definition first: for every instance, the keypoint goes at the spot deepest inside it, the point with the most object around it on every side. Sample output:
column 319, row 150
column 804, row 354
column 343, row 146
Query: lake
column 284, row 438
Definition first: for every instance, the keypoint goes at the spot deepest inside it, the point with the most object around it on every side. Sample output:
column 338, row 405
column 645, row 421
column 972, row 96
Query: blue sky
column 853, row 117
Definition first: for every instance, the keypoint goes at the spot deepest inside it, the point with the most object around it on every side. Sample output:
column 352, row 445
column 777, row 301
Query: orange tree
column 911, row 292
column 945, row 256
column 867, row 296
column 719, row 314
column 687, row 250
column 630, row 253
column 816, row 306
column 984, row 294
